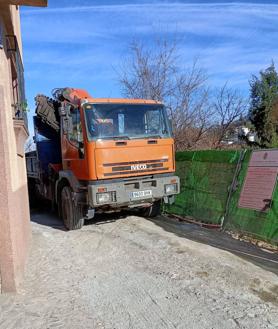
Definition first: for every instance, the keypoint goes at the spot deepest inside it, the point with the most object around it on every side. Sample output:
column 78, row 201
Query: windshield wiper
column 115, row 137
column 153, row 136
column 135, row 137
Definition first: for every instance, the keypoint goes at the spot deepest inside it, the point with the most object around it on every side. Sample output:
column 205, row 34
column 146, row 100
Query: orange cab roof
column 81, row 94
column 122, row 101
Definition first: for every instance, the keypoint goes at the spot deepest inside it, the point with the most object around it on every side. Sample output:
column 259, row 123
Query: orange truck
column 100, row 155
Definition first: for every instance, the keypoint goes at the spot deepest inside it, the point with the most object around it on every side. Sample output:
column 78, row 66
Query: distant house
column 239, row 134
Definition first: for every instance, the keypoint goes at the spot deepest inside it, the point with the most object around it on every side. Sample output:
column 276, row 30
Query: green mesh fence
column 262, row 225
column 206, row 178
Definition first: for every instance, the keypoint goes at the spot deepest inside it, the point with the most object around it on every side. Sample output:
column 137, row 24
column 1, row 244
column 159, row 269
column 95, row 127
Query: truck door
column 73, row 152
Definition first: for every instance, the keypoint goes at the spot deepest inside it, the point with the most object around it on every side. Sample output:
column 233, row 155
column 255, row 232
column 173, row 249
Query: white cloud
column 232, row 40
column 201, row 19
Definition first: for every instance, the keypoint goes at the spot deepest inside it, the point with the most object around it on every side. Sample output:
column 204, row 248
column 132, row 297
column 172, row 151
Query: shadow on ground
column 45, row 217
column 221, row 240
column 265, row 259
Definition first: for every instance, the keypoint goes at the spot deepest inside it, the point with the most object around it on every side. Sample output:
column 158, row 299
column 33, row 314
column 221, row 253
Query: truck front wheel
column 71, row 214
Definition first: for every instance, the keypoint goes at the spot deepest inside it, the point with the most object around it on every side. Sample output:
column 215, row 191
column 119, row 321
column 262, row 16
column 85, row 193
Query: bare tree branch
column 199, row 121
column 156, row 74
column 229, row 107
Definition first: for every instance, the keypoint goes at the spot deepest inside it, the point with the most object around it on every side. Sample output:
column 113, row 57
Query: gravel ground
column 131, row 273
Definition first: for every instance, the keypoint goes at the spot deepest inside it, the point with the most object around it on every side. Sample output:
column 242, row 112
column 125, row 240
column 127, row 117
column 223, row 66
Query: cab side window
column 76, row 135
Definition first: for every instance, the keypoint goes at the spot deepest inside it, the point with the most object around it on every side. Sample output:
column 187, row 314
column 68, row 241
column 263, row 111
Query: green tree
column 263, row 109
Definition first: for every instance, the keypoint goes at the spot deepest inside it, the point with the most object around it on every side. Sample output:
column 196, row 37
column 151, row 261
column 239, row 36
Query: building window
column 17, row 75
column 1, row 35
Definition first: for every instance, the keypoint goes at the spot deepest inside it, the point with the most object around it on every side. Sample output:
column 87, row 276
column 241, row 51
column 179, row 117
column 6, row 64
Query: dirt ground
column 131, row 273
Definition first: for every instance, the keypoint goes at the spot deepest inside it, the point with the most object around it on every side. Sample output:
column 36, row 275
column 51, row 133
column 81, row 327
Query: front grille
column 134, row 162
column 135, row 167
column 148, row 166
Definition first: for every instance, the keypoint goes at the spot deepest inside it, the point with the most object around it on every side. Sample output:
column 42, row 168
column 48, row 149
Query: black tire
column 72, row 215
column 153, row 211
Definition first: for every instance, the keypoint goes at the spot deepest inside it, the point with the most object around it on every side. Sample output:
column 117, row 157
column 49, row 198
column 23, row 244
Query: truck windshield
column 126, row 121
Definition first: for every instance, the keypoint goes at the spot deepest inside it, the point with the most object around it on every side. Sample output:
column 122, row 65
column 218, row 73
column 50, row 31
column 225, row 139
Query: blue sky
column 79, row 43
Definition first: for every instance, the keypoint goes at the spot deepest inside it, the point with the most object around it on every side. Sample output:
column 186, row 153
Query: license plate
column 141, row 194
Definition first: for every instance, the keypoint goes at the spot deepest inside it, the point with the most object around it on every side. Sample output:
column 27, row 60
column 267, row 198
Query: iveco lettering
column 139, row 167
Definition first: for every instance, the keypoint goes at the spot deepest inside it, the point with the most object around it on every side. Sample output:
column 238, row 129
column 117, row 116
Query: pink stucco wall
column 14, row 208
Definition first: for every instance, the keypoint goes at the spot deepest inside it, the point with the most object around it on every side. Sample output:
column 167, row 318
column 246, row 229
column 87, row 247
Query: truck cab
column 115, row 154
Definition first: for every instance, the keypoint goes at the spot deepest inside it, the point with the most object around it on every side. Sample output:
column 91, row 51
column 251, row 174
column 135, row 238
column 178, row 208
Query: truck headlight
column 103, row 197
column 106, row 197
column 170, row 188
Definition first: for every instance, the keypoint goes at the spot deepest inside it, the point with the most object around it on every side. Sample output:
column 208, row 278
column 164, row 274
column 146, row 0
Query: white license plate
column 141, row 194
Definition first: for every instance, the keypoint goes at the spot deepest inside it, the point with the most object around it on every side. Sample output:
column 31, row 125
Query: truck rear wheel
column 71, row 214
column 152, row 211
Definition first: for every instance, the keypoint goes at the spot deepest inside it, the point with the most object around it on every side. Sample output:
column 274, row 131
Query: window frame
column 91, row 138
column 76, row 142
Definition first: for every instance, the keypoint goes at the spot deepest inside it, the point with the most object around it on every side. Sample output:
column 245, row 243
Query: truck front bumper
column 135, row 192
